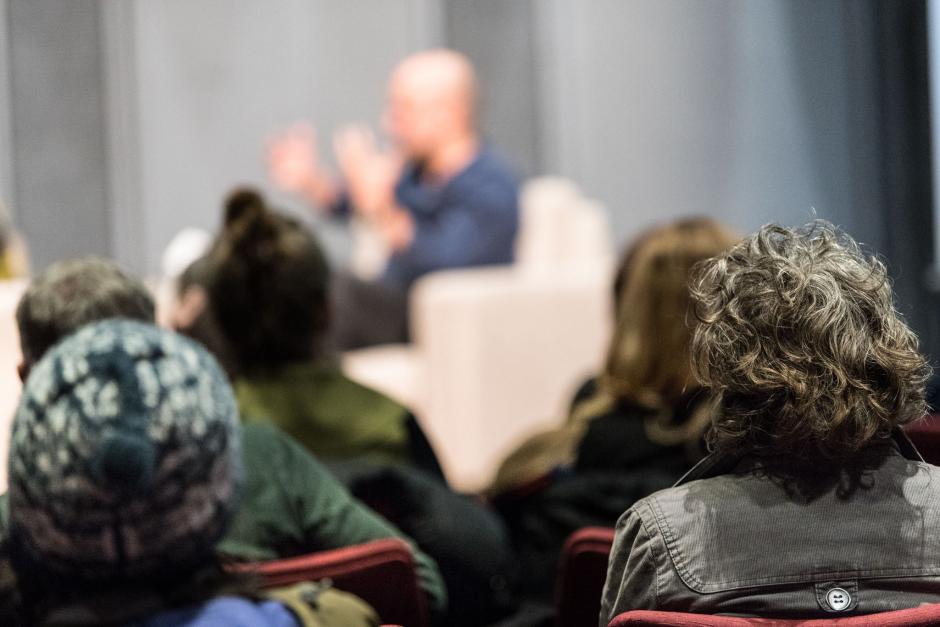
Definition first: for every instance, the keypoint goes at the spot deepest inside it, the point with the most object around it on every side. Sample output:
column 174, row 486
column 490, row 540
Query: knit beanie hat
column 124, row 458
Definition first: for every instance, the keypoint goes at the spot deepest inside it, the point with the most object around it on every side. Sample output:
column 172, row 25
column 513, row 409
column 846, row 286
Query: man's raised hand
column 293, row 164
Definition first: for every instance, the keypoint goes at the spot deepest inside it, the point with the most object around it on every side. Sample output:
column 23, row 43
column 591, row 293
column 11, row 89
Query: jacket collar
column 724, row 462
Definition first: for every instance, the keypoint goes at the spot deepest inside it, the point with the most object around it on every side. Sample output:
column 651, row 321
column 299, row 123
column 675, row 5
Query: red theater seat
column 925, row 616
column 381, row 572
column 581, row 575
column 925, row 434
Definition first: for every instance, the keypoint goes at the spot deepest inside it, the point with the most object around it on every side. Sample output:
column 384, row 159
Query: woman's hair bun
column 251, row 228
column 243, row 205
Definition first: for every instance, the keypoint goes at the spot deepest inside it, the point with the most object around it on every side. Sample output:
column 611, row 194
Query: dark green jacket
column 292, row 505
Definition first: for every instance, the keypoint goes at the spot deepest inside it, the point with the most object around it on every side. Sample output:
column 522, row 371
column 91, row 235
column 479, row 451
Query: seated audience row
column 289, row 504
column 133, row 478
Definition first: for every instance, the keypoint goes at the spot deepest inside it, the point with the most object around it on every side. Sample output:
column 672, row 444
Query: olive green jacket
column 331, row 415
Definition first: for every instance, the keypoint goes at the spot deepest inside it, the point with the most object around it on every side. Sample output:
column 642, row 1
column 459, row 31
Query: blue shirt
column 470, row 220
column 226, row 612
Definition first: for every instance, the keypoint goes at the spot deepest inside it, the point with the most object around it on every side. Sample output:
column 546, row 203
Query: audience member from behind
column 645, row 411
column 105, row 529
column 443, row 199
column 291, row 505
column 814, row 373
column 633, row 429
column 267, row 289
column 268, row 286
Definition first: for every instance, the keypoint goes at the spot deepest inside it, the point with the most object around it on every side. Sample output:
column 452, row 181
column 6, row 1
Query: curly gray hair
column 801, row 343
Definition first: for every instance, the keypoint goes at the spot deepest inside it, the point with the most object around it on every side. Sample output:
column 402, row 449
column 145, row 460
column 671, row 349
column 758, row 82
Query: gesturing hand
column 370, row 174
column 293, row 164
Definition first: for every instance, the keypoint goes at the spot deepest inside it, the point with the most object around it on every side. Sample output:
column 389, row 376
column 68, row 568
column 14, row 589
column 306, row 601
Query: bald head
column 441, row 76
column 431, row 99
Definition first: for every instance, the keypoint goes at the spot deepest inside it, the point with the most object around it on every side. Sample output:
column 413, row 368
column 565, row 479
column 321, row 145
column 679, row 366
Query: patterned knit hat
column 124, row 457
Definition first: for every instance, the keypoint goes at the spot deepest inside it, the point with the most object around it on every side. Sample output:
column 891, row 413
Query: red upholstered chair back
column 925, row 434
column 924, row 616
column 581, row 575
column 381, row 572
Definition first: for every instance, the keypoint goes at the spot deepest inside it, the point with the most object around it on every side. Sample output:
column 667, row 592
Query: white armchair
column 497, row 352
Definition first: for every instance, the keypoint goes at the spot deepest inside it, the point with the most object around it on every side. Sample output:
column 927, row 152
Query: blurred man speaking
column 440, row 199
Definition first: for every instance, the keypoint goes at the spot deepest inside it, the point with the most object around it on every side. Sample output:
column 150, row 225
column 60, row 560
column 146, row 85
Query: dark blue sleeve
column 475, row 226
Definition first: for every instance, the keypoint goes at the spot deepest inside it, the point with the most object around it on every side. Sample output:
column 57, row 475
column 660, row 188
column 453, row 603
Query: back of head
column 648, row 359
column 799, row 339
column 70, row 294
column 268, row 285
column 124, row 458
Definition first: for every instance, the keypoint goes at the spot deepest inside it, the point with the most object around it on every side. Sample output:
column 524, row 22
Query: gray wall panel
column 59, row 168
column 500, row 39
column 6, row 139
column 737, row 109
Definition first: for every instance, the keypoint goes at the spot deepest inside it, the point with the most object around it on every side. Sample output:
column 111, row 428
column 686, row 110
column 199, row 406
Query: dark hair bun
column 250, row 227
column 243, row 205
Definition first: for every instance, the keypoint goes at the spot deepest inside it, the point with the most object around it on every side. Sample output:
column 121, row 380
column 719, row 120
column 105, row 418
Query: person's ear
column 23, row 369
column 192, row 303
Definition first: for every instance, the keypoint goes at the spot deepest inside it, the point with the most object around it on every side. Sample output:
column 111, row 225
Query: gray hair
column 71, row 294
column 801, row 343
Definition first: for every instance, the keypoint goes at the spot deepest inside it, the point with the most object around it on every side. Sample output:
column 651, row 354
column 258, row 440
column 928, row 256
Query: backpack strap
column 319, row 604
